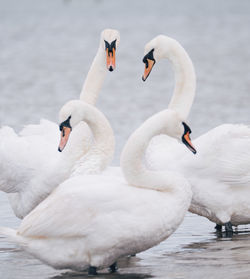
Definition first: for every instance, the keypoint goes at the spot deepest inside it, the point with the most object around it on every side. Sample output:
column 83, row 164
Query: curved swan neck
column 132, row 158
column 94, row 79
column 101, row 152
column 185, row 79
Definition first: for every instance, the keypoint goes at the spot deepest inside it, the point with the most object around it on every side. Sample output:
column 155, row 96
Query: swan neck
column 101, row 152
column 133, row 162
column 94, row 79
column 185, row 81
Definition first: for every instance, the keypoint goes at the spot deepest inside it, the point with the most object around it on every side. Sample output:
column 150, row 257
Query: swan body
column 30, row 166
column 101, row 227
column 220, row 173
column 89, row 221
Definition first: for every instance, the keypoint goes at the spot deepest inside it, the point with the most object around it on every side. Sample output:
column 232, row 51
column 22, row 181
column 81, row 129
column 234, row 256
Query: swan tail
column 12, row 235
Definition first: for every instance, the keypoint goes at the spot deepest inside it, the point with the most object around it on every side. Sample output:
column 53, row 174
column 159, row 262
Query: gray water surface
column 46, row 48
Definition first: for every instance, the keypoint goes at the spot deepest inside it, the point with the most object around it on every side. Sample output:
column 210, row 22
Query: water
column 46, row 49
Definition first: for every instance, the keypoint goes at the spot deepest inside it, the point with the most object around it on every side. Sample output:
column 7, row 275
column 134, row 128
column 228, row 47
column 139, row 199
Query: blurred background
column 47, row 47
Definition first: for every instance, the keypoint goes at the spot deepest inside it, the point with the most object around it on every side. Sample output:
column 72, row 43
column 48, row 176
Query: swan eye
column 106, row 45
column 65, row 123
column 111, row 46
column 150, row 56
column 145, row 61
column 149, row 62
column 186, row 128
column 186, row 138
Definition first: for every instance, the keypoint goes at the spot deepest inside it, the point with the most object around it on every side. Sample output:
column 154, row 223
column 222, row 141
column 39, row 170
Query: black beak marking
column 109, row 46
column 187, row 130
column 65, row 123
column 149, row 55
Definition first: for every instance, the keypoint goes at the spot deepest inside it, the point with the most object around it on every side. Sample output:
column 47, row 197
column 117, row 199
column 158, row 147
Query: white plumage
column 30, row 165
column 220, row 172
column 89, row 221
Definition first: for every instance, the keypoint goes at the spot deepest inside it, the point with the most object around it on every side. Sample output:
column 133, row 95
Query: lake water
column 46, row 49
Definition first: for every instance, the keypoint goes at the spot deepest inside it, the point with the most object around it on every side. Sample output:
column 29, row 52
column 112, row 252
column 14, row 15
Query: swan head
column 110, row 39
column 186, row 138
column 159, row 47
column 175, row 127
column 70, row 115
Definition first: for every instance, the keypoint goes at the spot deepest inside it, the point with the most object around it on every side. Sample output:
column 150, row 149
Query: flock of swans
column 80, row 213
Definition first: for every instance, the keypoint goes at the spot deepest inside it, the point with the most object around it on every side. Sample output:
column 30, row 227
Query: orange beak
column 188, row 143
column 64, row 138
column 148, row 67
column 110, row 55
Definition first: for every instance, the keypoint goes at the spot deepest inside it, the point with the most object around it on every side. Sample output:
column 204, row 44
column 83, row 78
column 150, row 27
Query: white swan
column 220, row 173
column 89, row 221
column 30, row 165
column 102, row 149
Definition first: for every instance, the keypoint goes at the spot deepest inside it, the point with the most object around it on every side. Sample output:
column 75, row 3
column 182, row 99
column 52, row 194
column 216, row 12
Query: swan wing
column 46, row 129
column 80, row 207
column 70, row 203
column 223, row 155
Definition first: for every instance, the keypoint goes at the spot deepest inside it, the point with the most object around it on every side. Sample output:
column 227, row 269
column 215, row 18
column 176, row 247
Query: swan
column 220, row 173
column 101, row 152
column 91, row 220
column 30, row 165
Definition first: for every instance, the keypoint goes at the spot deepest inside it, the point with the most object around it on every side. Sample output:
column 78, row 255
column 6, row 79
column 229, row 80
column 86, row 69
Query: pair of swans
column 30, row 165
column 99, row 218
column 89, row 221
